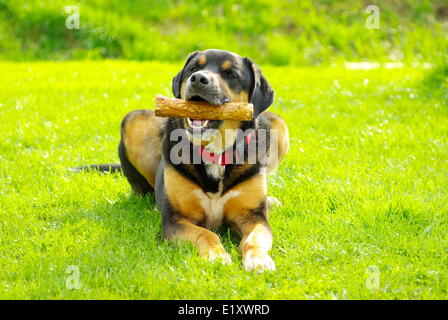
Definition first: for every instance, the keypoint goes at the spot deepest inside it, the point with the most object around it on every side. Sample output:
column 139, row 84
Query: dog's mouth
column 199, row 125
column 213, row 97
column 196, row 98
column 196, row 124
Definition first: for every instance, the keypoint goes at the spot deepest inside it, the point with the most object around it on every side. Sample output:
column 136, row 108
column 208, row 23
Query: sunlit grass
column 365, row 184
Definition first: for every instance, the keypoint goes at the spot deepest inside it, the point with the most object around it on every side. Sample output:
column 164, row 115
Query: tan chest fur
column 195, row 204
column 213, row 205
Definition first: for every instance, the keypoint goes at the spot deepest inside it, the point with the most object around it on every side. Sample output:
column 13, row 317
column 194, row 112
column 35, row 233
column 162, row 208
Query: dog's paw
column 222, row 257
column 259, row 263
column 273, row 202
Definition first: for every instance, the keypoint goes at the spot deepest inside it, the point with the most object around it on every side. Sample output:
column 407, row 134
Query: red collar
column 224, row 158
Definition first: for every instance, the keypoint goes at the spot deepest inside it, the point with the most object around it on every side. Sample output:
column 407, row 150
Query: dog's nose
column 200, row 79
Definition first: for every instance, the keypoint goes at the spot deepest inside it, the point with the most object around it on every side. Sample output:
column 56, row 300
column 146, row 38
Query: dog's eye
column 194, row 69
column 229, row 74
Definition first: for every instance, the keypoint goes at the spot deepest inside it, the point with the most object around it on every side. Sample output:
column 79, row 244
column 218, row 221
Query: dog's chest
column 213, row 205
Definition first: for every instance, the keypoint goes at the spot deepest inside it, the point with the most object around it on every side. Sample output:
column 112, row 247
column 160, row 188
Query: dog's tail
column 104, row 168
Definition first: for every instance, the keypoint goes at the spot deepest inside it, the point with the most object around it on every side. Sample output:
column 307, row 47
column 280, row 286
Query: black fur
column 175, row 84
column 261, row 93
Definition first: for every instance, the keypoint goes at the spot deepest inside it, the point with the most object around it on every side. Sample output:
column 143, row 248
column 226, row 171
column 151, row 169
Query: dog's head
column 218, row 76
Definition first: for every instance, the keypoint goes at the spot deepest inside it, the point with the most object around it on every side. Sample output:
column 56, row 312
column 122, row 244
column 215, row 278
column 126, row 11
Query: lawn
column 364, row 189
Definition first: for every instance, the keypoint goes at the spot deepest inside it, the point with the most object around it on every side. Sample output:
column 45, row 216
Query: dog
column 195, row 198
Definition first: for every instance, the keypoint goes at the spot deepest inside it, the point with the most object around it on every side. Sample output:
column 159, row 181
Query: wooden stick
column 201, row 110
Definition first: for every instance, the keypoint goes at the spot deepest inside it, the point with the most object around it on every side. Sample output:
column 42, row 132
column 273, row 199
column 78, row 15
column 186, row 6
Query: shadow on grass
column 137, row 220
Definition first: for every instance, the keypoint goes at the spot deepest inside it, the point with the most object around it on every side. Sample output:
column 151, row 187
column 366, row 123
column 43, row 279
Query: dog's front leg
column 247, row 213
column 207, row 242
column 255, row 244
column 182, row 212
column 256, row 239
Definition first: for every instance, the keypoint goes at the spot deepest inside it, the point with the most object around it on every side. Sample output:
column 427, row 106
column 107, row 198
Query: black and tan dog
column 197, row 197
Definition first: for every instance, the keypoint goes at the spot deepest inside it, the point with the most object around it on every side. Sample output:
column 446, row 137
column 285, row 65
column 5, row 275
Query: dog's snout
column 200, row 79
column 204, row 85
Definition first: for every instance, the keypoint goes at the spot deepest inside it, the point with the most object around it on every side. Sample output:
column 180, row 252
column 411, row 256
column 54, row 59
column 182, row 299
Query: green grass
column 305, row 32
column 365, row 184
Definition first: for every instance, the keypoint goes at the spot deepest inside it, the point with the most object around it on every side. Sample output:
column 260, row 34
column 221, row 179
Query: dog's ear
column 175, row 85
column 261, row 94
